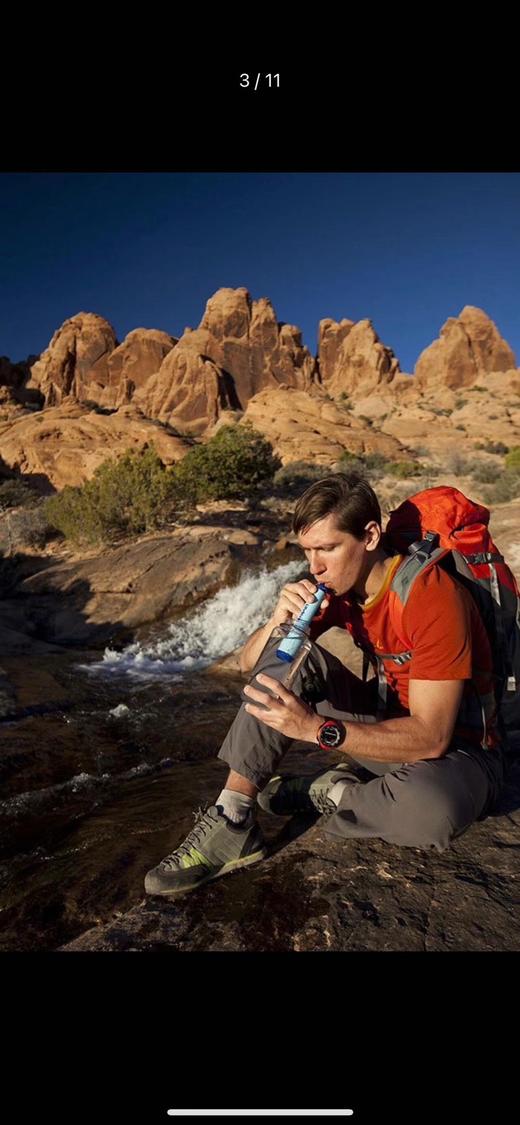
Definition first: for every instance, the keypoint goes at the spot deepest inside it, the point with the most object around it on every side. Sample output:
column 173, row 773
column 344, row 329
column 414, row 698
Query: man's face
column 335, row 557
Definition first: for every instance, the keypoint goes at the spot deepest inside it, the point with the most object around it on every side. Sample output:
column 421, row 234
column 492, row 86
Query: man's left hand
column 285, row 713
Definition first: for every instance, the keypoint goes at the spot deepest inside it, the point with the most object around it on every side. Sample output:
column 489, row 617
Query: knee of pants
column 426, row 811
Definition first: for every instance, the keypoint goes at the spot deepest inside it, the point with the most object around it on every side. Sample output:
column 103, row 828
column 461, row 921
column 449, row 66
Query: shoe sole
column 233, row 865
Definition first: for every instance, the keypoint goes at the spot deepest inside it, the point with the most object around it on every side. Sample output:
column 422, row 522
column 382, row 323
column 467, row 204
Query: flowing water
column 104, row 758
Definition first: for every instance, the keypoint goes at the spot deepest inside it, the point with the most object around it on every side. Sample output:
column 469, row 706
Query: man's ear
column 372, row 535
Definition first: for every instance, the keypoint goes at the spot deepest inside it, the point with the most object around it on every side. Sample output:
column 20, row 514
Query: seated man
column 434, row 758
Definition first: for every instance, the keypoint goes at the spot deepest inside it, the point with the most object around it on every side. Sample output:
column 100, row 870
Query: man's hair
column 347, row 496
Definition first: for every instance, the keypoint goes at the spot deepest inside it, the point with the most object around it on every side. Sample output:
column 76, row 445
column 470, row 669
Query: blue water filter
column 298, row 632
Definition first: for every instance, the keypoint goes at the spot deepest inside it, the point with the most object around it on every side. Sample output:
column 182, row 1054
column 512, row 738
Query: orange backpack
column 440, row 526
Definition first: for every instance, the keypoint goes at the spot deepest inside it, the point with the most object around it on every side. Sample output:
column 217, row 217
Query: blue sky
column 146, row 250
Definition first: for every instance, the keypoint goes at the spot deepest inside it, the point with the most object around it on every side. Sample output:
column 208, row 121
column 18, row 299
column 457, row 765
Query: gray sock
column 235, row 806
column 335, row 794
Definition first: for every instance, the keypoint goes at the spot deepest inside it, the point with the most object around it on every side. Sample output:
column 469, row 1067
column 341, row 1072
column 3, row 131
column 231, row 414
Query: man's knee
column 428, row 805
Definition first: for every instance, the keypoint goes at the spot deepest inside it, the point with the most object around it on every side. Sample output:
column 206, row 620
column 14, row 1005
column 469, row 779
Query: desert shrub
column 512, row 460
column 456, row 463
column 492, row 446
column 370, row 465
column 403, row 469
column 16, row 494
column 486, row 473
column 26, row 527
column 124, row 497
column 236, row 463
column 507, row 487
column 293, row 479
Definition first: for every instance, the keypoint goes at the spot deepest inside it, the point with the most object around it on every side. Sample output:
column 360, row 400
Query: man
column 434, row 759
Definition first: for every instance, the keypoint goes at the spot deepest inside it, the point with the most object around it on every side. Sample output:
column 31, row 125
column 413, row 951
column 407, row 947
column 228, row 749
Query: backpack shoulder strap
column 422, row 555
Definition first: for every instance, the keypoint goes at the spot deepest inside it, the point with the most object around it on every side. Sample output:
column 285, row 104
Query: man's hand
column 293, row 599
column 286, row 713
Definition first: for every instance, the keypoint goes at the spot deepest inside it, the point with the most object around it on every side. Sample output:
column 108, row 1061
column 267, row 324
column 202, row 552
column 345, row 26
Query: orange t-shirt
column 444, row 631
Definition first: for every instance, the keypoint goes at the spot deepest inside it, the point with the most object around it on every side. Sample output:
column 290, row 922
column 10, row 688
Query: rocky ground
column 316, row 894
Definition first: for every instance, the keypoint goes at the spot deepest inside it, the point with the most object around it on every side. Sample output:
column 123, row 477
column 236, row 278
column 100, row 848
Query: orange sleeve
column 437, row 622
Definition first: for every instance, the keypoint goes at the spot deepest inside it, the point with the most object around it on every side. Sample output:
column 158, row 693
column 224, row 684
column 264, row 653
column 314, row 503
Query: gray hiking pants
column 421, row 804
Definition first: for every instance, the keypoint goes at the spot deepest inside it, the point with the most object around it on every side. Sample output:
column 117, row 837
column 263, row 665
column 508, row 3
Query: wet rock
column 314, row 893
column 93, row 600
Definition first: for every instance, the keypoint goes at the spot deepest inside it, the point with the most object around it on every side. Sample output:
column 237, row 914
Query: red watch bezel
column 337, row 724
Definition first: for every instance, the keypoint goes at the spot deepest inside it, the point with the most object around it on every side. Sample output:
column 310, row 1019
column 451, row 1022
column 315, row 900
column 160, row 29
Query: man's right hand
column 292, row 600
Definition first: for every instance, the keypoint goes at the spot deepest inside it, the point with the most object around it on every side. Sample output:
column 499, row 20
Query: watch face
column 332, row 734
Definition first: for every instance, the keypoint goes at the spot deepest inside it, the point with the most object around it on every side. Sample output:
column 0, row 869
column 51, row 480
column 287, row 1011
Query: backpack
column 442, row 527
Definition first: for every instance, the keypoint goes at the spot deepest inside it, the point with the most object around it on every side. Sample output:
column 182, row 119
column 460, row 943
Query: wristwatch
column 331, row 734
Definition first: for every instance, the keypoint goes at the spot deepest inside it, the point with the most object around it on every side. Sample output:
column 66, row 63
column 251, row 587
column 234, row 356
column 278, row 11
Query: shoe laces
column 204, row 823
column 323, row 803
column 299, row 796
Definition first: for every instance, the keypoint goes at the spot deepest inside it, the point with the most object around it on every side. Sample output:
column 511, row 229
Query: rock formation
column 84, row 361
column 352, row 359
column 309, row 426
column 469, row 345
column 76, row 360
column 238, row 350
column 65, row 444
column 241, row 362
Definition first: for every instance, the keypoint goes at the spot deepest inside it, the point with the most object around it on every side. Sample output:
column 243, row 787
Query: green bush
column 486, row 473
column 456, row 463
column 293, row 479
column 403, row 469
column 507, row 487
column 352, row 461
column 27, row 527
column 236, row 463
column 492, row 446
column 370, row 465
column 124, row 497
column 512, row 460
column 15, row 494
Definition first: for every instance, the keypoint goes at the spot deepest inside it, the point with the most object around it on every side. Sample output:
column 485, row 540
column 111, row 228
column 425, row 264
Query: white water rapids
column 213, row 630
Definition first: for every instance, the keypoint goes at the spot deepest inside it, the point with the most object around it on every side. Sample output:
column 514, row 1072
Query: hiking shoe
column 213, row 847
column 285, row 795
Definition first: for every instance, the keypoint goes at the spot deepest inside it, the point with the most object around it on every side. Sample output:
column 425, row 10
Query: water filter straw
column 296, row 635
